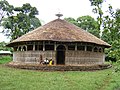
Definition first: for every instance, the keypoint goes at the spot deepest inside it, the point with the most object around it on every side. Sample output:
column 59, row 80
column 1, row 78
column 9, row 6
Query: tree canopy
column 3, row 47
column 20, row 21
column 87, row 23
column 97, row 9
column 5, row 9
column 110, row 28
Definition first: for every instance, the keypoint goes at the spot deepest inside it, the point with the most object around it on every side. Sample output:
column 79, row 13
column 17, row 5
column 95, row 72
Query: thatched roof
column 60, row 30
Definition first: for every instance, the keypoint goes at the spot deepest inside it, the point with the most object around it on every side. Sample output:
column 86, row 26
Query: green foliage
column 96, row 2
column 114, row 51
column 97, row 9
column 87, row 23
column 3, row 47
column 36, row 80
column 5, row 59
column 21, row 21
column 5, row 9
column 71, row 20
column 117, row 66
column 111, row 34
column 110, row 28
column 27, row 9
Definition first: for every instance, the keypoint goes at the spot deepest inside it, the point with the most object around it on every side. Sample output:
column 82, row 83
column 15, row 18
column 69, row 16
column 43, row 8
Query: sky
column 69, row 8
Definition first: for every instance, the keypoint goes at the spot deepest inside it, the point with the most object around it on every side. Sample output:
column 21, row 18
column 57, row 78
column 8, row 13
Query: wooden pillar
column 85, row 48
column 76, row 47
column 66, row 47
column 43, row 46
column 18, row 48
column 103, row 50
column 21, row 48
column 26, row 48
column 92, row 49
column 34, row 47
column 55, row 46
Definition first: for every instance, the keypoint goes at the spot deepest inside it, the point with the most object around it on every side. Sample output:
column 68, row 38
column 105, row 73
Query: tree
column 111, row 33
column 97, row 4
column 3, row 47
column 5, row 9
column 71, row 20
column 110, row 25
column 87, row 23
column 23, row 21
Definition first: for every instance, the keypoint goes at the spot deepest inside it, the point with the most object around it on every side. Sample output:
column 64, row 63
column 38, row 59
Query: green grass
column 5, row 59
column 17, row 79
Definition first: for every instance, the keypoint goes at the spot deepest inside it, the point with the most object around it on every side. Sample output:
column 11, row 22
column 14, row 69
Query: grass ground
column 17, row 79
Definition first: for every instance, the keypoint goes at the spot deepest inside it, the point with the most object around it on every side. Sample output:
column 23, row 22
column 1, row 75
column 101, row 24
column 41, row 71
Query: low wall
column 82, row 57
column 60, row 67
column 71, row 57
column 33, row 56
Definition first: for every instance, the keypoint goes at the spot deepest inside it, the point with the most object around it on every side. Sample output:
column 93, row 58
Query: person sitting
column 46, row 61
column 50, row 62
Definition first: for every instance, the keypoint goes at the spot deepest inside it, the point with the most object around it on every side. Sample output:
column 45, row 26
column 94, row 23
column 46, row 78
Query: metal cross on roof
column 59, row 15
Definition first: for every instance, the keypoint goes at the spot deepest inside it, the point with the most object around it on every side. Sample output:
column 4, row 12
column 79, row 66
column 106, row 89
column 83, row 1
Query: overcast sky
column 69, row 8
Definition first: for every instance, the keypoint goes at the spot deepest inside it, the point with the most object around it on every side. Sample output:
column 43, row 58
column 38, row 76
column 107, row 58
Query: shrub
column 5, row 59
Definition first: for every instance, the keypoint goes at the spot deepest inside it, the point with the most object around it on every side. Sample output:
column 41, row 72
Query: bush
column 112, row 59
column 117, row 67
column 5, row 59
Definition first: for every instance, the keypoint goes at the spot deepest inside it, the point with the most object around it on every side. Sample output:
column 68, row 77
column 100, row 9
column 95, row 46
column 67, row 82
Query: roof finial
column 59, row 15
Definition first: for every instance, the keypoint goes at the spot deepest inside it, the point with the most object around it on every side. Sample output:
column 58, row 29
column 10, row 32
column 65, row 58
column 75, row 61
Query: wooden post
column 18, row 48
column 43, row 46
column 26, row 48
column 85, row 48
column 76, row 47
column 34, row 47
column 55, row 46
column 92, row 49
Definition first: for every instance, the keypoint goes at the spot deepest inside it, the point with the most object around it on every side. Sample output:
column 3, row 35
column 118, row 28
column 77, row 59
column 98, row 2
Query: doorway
column 60, row 55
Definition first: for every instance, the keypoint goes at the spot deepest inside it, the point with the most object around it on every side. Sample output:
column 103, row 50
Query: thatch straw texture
column 60, row 30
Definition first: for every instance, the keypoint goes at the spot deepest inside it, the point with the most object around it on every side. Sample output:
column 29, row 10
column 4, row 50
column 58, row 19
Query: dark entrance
column 60, row 55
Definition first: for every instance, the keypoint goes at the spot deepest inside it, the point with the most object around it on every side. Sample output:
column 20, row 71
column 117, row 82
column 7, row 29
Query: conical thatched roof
column 60, row 30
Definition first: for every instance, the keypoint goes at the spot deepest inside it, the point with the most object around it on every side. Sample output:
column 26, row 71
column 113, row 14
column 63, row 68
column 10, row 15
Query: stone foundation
column 59, row 67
